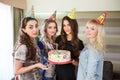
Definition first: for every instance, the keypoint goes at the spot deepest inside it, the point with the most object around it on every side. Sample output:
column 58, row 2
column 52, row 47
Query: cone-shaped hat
column 72, row 14
column 102, row 18
column 53, row 16
column 32, row 12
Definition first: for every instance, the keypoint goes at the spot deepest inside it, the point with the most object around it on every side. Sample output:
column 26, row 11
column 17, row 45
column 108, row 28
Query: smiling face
column 51, row 29
column 91, row 31
column 31, row 28
column 66, row 27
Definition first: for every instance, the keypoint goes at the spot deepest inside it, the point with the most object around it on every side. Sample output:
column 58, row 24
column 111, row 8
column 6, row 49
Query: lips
column 52, row 32
column 67, row 31
column 88, row 34
column 35, row 33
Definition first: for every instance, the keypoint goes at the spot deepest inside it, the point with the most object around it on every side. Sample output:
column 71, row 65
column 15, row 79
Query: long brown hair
column 44, row 30
column 24, row 38
column 74, row 30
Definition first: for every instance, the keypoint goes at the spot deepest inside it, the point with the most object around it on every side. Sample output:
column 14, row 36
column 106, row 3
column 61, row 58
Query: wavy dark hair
column 74, row 31
column 24, row 38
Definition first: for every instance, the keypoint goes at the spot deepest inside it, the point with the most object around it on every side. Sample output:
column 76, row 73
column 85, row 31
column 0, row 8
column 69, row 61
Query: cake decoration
column 59, row 57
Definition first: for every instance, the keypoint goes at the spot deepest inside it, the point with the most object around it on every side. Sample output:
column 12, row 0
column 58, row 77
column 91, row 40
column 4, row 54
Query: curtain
column 18, row 14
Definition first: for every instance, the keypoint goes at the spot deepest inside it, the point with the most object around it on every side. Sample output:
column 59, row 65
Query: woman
column 91, row 58
column 48, row 32
column 68, row 40
column 27, row 62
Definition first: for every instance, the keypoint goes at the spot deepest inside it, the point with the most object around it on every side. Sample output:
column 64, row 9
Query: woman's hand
column 40, row 65
column 74, row 62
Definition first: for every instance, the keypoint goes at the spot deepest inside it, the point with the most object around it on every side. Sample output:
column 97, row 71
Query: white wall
column 6, row 43
column 80, row 5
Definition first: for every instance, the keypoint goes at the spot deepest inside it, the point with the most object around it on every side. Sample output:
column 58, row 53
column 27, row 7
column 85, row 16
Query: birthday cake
column 59, row 57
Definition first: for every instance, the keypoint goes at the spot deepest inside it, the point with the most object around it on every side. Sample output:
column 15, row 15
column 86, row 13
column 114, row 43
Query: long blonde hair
column 43, row 30
column 99, row 42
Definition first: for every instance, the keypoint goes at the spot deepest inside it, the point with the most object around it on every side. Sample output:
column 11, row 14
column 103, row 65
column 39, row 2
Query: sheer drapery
column 17, row 17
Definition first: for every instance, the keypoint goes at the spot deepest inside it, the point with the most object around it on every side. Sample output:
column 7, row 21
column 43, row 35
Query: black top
column 67, row 71
column 69, row 47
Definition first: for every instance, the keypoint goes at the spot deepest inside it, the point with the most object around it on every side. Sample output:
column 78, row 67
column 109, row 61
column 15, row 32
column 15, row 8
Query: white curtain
column 6, row 42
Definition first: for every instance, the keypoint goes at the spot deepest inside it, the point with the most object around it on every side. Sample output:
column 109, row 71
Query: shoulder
column 80, row 41
column 20, row 53
column 22, row 47
column 41, row 39
column 58, row 38
column 41, row 43
column 93, row 53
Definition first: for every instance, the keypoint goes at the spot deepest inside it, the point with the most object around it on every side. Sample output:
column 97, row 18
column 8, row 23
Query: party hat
column 53, row 16
column 102, row 18
column 32, row 12
column 72, row 14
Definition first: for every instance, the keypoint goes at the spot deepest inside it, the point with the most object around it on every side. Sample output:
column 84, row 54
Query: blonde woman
column 48, row 31
column 91, row 58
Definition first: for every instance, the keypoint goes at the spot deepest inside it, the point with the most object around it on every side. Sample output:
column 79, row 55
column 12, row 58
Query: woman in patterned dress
column 48, row 32
column 27, row 62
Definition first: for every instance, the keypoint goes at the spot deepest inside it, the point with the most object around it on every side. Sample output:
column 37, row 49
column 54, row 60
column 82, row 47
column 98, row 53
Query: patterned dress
column 20, row 55
column 44, row 53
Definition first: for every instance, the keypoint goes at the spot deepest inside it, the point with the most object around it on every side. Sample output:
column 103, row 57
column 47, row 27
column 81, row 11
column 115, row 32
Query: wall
column 67, row 5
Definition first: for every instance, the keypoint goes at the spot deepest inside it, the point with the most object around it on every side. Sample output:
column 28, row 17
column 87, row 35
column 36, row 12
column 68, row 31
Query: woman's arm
column 56, row 46
column 19, row 69
column 75, row 62
column 92, row 65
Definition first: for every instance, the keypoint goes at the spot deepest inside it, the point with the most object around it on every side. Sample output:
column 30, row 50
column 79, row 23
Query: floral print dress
column 20, row 55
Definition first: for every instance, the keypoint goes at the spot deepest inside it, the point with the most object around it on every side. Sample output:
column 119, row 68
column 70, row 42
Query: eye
column 92, row 28
column 30, row 26
column 49, row 27
column 36, row 25
column 63, row 25
column 68, row 25
column 87, row 27
column 55, row 27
